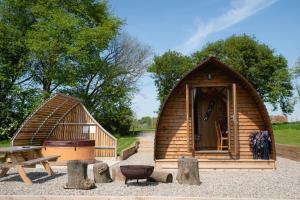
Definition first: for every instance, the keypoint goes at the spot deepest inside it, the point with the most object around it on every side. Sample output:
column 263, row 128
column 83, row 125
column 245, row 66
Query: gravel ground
column 145, row 151
column 283, row 183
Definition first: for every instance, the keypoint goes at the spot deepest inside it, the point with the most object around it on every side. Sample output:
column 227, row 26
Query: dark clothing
column 260, row 143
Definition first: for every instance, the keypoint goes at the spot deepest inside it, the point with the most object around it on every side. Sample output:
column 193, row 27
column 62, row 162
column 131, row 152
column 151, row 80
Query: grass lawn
column 4, row 143
column 125, row 141
column 287, row 133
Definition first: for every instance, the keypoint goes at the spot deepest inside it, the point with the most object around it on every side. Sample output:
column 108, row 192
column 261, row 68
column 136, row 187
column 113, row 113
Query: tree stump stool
column 188, row 171
column 77, row 176
column 101, row 173
column 116, row 173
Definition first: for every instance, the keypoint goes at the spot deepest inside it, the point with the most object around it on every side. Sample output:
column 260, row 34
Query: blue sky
column 186, row 26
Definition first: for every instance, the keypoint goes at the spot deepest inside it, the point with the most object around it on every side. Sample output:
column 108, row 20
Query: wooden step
column 221, row 164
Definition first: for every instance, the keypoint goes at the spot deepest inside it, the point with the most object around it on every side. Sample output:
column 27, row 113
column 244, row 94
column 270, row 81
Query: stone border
column 126, row 153
column 56, row 197
column 287, row 151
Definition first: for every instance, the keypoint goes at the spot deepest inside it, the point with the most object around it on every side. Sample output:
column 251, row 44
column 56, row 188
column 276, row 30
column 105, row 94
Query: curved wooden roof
column 246, row 84
column 40, row 124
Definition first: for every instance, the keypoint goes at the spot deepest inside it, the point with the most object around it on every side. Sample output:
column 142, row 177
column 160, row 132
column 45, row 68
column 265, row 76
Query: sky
column 186, row 26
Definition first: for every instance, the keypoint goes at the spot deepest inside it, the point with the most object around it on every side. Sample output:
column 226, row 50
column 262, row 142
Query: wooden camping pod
column 235, row 100
column 62, row 117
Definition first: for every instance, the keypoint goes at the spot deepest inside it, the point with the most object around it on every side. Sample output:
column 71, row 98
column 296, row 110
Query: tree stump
column 188, row 171
column 161, row 176
column 116, row 173
column 77, row 176
column 101, row 173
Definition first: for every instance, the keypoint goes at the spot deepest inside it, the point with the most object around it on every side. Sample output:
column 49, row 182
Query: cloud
column 239, row 10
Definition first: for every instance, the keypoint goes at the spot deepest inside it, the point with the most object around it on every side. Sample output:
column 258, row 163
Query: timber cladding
column 63, row 117
column 68, row 130
column 246, row 113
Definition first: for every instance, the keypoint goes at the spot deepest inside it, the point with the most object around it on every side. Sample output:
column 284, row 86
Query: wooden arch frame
column 40, row 125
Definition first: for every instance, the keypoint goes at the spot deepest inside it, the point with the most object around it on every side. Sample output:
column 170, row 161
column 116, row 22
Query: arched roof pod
column 171, row 126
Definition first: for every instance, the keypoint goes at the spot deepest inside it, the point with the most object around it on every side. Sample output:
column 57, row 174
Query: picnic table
column 22, row 156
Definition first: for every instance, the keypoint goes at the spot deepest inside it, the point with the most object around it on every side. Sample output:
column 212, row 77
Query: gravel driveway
column 283, row 183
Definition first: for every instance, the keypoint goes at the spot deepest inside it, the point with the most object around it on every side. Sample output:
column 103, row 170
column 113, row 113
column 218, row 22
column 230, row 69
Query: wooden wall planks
column 66, row 131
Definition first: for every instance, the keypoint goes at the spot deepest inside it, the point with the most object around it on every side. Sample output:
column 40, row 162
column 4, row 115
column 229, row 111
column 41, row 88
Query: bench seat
column 6, row 165
column 39, row 160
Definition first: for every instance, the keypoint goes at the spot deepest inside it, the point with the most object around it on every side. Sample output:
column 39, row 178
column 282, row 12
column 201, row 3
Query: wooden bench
column 39, row 160
column 6, row 165
column 16, row 157
column 2, row 159
column 43, row 161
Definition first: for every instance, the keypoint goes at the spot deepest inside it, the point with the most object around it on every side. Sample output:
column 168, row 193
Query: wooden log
column 77, row 176
column 161, row 176
column 188, row 171
column 101, row 173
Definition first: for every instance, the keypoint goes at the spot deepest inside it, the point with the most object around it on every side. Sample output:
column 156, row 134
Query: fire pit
column 136, row 172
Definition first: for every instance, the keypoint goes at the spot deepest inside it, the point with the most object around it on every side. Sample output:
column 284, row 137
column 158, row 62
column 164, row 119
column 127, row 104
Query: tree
column 167, row 70
column 107, row 84
column 43, row 45
column 65, row 36
column 16, row 99
column 258, row 63
column 297, row 75
column 145, row 122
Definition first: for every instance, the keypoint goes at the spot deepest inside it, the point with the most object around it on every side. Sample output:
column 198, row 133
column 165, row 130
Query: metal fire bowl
column 136, row 171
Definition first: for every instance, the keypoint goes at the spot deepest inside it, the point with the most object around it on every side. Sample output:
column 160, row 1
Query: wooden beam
column 228, row 117
column 115, row 141
column 45, row 120
column 29, row 118
column 23, row 175
column 235, row 121
column 187, row 104
column 62, row 118
column 193, row 122
column 48, row 169
column 210, row 85
column 74, row 123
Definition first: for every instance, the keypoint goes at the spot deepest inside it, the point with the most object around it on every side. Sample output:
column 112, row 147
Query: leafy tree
column 43, row 45
column 107, row 84
column 66, row 35
column 16, row 99
column 257, row 62
column 145, row 121
column 167, row 70
column 297, row 75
